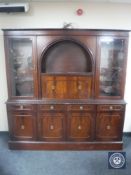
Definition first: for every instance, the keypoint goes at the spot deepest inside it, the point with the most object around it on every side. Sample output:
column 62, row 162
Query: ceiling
column 107, row 1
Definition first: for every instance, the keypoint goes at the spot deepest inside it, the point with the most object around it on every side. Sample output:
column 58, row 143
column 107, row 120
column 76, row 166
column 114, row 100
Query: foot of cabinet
column 25, row 145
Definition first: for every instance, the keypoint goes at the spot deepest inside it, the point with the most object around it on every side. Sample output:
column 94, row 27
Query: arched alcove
column 66, row 56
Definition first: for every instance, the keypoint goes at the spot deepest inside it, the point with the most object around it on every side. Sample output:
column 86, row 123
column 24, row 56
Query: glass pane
column 111, row 66
column 20, row 58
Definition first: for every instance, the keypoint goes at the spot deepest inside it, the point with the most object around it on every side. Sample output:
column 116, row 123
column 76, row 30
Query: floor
column 59, row 162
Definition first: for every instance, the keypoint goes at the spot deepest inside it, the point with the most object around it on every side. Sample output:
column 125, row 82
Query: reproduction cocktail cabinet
column 65, row 88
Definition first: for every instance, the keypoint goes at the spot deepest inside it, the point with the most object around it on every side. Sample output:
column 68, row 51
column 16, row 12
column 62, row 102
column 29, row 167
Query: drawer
column 51, row 107
column 22, row 107
column 81, row 107
column 21, row 113
column 110, row 107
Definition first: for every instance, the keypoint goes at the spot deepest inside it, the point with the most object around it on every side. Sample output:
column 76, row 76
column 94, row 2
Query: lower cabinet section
column 66, row 126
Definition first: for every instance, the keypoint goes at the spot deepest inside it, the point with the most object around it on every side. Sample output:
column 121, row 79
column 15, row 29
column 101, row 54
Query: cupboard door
column 84, row 86
column 111, row 67
column 79, row 87
column 54, row 87
column 109, row 126
column 21, row 67
column 23, row 126
column 51, row 126
column 80, row 126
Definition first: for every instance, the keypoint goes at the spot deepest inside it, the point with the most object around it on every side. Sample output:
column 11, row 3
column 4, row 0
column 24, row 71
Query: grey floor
column 58, row 162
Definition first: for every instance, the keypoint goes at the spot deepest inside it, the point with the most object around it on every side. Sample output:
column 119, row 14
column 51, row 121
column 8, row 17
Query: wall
column 54, row 15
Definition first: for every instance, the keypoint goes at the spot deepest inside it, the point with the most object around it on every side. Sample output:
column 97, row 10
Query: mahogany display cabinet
column 66, row 88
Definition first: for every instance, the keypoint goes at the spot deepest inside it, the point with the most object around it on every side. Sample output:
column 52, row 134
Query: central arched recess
column 66, row 56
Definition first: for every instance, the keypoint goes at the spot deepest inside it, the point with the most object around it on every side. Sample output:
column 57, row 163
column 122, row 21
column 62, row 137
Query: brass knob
column 51, row 127
column 22, row 127
column 79, row 127
column 111, row 107
column 108, row 127
column 79, row 87
column 53, row 87
column 51, row 107
column 21, row 106
column 81, row 107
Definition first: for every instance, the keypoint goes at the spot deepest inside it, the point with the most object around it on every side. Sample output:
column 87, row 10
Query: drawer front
column 81, row 107
column 110, row 107
column 22, row 107
column 51, row 107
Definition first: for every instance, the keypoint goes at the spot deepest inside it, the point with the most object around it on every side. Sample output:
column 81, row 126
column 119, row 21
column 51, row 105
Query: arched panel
column 66, row 56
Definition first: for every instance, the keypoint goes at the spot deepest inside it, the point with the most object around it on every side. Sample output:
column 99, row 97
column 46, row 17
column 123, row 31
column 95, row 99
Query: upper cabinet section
column 66, row 63
column 21, row 66
column 111, row 66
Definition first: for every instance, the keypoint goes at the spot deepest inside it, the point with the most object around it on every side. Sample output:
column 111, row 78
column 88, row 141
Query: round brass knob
column 79, row 87
column 51, row 107
column 108, row 127
column 51, row 127
column 21, row 107
column 53, row 87
column 79, row 127
column 81, row 107
column 22, row 127
column 111, row 107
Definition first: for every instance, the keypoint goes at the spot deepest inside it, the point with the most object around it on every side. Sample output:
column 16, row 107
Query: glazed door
column 21, row 66
column 111, row 63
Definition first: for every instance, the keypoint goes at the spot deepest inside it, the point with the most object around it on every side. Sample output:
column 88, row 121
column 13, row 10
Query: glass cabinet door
column 21, row 66
column 111, row 66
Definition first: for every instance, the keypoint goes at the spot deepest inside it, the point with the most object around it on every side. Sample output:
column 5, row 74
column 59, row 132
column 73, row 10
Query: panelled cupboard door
column 23, row 126
column 80, row 126
column 51, row 126
column 109, row 126
column 21, row 66
column 54, row 87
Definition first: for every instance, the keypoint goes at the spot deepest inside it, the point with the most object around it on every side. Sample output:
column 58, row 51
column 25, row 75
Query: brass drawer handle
column 108, row 127
column 51, row 127
column 79, row 127
column 111, row 107
column 51, row 107
column 81, row 107
column 22, row 127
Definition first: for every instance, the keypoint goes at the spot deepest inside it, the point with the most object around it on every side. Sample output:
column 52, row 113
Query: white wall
column 53, row 15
